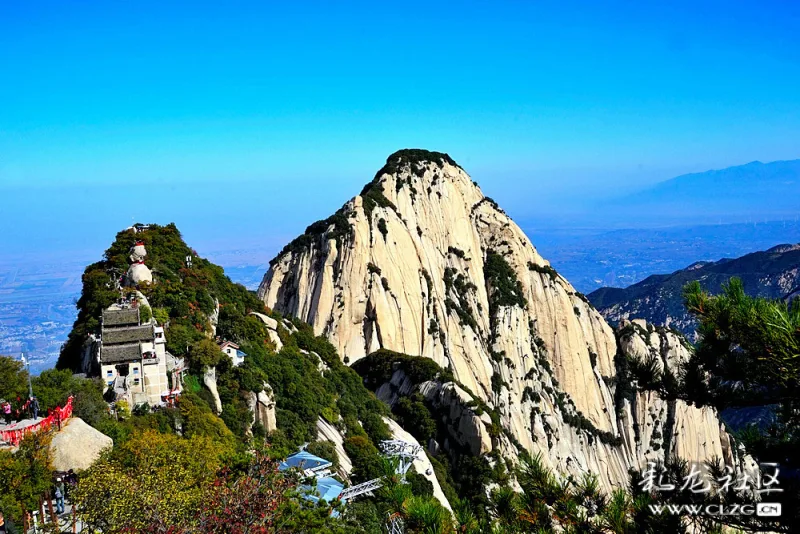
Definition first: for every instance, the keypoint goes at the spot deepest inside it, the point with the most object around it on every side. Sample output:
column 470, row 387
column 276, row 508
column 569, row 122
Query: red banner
column 13, row 435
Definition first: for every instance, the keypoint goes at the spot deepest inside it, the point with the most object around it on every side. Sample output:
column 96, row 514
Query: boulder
column 77, row 446
column 328, row 432
column 422, row 464
column 452, row 404
column 210, row 381
column 138, row 273
column 262, row 404
column 272, row 329
column 265, row 409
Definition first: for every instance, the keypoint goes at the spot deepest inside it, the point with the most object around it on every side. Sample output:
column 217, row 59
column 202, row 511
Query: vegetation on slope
column 26, row 475
column 747, row 354
column 484, row 491
column 336, row 227
column 413, row 159
column 459, row 294
column 307, row 377
column 183, row 295
column 504, row 287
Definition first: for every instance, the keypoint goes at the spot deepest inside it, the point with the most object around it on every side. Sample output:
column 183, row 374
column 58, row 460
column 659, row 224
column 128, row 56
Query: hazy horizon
column 246, row 214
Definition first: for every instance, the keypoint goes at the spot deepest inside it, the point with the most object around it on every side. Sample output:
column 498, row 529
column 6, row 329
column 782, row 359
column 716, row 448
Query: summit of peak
column 405, row 163
column 408, row 156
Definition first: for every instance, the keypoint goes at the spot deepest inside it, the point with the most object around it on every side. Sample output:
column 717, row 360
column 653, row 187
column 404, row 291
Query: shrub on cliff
column 379, row 367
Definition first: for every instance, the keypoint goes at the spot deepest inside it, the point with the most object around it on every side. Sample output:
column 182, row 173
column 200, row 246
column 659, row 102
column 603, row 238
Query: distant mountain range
column 774, row 273
column 591, row 259
column 755, row 191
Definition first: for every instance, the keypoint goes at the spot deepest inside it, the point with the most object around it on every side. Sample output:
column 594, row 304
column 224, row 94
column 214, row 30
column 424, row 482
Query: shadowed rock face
column 422, row 263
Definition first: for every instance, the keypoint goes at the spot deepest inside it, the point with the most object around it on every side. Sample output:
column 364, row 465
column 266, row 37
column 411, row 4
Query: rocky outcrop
column 210, row 381
column 468, row 425
column 262, row 405
column 139, row 273
column 422, row 463
column 77, row 446
column 643, row 342
column 422, row 263
column 657, row 426
column 272, row 329
column 328, row 432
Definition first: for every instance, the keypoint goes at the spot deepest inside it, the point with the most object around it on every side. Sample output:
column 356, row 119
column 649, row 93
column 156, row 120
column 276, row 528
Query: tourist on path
column 7, row 412
column 35, row 408
column 6, row 526
column 72, row 480
column 19, row 413
column 59, row 494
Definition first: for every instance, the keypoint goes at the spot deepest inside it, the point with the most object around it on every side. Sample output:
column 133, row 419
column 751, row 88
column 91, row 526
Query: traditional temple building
column 132, row 356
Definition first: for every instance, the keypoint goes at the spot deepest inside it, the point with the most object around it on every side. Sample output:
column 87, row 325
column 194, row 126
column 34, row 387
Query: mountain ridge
column 748, row 174
column 772, row 273
column 753, row 191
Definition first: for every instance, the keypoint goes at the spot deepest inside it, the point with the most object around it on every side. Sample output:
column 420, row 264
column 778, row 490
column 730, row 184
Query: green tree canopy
column 748, row 354
column 151, row 475
column 25, row 475
column 749, row 346
column 13, row 379
column 365, row 457
column 205, row 353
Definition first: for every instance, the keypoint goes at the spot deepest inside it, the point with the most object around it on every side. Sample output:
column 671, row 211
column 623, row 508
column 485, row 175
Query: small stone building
column 232, row 350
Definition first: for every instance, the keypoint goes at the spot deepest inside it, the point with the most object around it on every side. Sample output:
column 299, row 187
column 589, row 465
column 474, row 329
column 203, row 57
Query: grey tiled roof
column 121, row 317
column 114, row 336
column 120, row 353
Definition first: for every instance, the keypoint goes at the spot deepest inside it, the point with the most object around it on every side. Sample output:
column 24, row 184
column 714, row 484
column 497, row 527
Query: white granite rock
column 77, row 446
column 405, row 277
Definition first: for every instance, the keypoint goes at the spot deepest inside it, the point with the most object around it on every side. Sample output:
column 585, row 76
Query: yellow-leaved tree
column 152, row 479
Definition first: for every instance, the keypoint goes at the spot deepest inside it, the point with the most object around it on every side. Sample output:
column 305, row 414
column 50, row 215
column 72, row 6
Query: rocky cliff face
column 262, row 404
column 662, row 425
column 422, row 263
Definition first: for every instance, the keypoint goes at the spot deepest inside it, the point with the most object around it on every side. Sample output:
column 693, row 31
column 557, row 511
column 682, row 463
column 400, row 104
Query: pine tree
column 748, row 354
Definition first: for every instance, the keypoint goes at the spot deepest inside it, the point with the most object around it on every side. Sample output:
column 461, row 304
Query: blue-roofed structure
column 324, row 487
column 327, row 488
column 232, row 350
column 308, row 463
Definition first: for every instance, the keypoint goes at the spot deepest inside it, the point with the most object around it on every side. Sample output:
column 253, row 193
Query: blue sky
column 300, row 104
